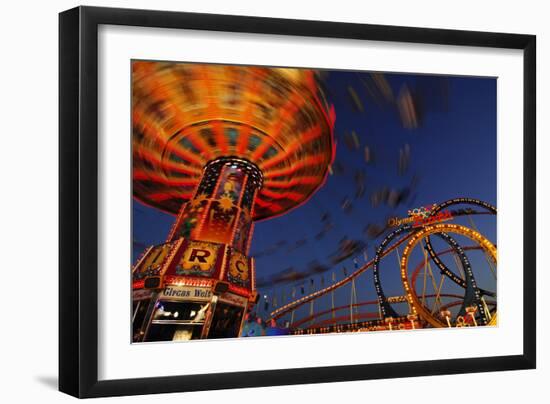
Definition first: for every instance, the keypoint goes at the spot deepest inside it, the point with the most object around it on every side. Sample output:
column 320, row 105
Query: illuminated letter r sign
column 199, row 255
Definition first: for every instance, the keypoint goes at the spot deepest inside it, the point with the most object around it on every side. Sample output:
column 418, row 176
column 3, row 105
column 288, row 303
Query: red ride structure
column 219, row 147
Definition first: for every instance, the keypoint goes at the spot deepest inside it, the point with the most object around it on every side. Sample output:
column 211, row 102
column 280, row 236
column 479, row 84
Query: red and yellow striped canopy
column 185, row 115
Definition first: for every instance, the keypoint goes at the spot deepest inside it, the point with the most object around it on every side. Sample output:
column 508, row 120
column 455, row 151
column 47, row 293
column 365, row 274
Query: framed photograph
column 251, row 201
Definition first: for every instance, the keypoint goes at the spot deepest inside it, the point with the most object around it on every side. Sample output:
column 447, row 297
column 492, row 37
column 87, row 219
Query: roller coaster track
column 381, row 253
column 281, row 311
column 402, row 299
column 472, row 292
column 385, row 307
column 347, row 307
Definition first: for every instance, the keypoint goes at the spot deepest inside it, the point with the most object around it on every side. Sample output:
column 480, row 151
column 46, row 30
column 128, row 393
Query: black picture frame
column 78, row 196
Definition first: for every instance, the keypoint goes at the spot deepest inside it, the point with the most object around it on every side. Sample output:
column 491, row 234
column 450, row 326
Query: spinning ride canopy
column 187, row 115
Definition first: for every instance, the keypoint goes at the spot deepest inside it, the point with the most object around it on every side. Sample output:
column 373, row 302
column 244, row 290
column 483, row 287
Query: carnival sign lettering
column 187, row 292
column 238, row 266
column 233, row 299
column 437, row 218
column 199, row 255
column 422, row 211
column 421, row 217
column 395, row 221
column 141, row 294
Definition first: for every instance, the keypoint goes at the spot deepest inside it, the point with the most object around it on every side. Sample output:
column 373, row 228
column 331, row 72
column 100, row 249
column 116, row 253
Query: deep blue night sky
column 452, row 154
